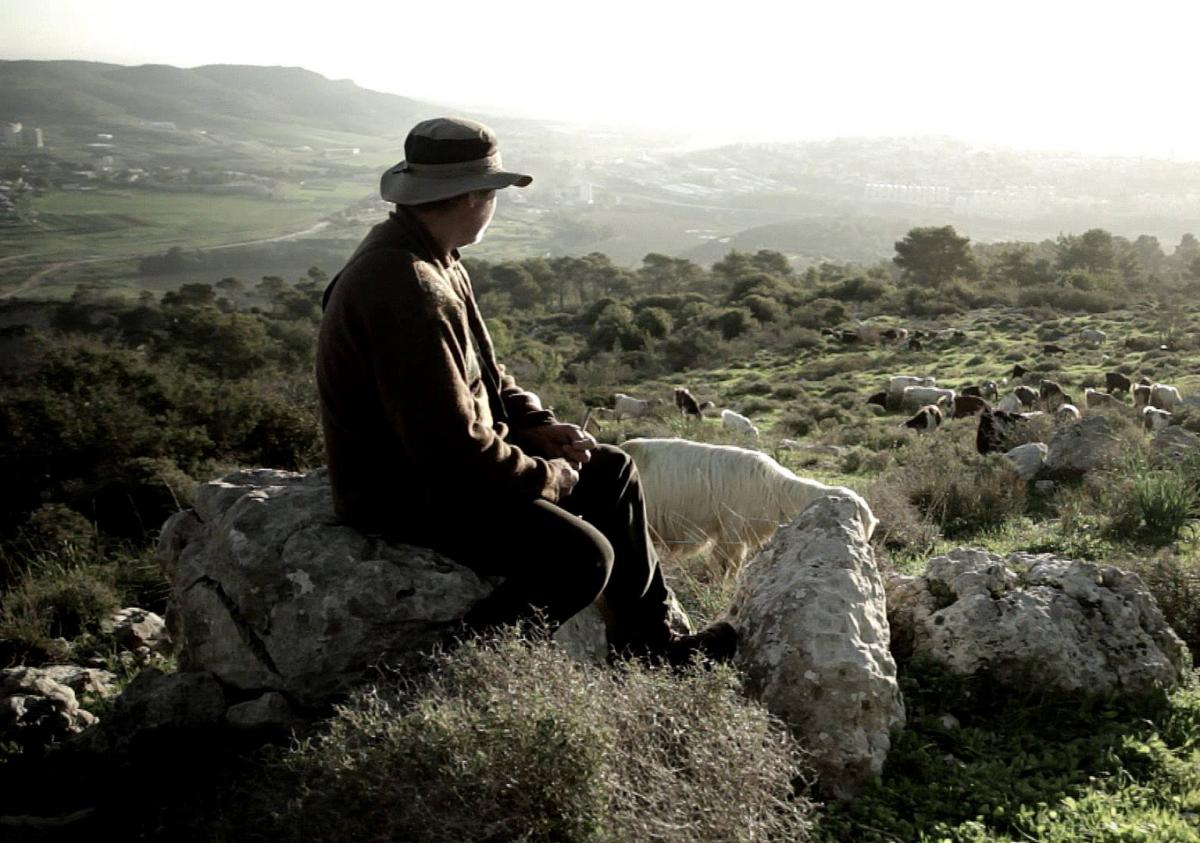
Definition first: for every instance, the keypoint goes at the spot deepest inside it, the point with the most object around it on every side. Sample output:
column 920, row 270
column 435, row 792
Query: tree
column 1094, row 250
column 931, row 256
column 514, row 279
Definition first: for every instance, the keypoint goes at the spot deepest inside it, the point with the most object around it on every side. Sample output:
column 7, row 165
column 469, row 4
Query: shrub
column 511, row 740
column 1175, row 584
column 902, row 527
column 756, row 406
column 1154, row 507
column 51, row 602
column 957, row 489
column 796, row 423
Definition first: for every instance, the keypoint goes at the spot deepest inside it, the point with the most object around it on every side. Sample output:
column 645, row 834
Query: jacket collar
column 406, row 225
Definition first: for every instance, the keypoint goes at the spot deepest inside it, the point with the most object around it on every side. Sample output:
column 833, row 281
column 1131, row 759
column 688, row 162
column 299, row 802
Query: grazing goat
column 733, row 497
column 1026, row 395
column 1093, row 336
column 1052, row 395
column 686, row 403
column 1066, row 412
column 1116, row 382
column 1094, row 398
column 628, row 407
column 738, row 423
column 1164, row 397
column 919, row 396
column 926, row 419
column 1018, row 371
column 1155, row 419
column 969, row 405
column 995, row 428
column 1141, row 396
column 708, row 409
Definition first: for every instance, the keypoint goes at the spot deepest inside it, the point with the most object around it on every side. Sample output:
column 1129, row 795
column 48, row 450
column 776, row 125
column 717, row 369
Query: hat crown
column 449, row 140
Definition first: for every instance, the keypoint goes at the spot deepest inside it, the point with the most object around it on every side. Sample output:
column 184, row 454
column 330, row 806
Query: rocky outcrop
column 1028, row 459
column 814, row 642
column 1173, row 444
column 1065, row 625
column 1086, row 445
column 40, row 705
column 271, row 594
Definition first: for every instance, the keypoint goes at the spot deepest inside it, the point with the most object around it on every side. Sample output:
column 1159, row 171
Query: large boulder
column 1028, row 459
column 1068, row 626
column 1091, row 443
column 270, row 593
column 1173, row 444
column 814, row 642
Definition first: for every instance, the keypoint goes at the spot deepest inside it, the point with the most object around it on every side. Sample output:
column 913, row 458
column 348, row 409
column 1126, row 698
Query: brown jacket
column 415, row 409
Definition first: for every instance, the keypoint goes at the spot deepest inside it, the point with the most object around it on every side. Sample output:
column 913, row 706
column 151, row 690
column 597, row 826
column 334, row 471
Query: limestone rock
column 84, row 681
column 1070, row 626
column 1172, row 444
column 814, row 642
column 1085, row 445
column 139, row 630
column 269, row 713
column 270, row 593
column 36, row 709
column 1028, row 459
column 156, row 708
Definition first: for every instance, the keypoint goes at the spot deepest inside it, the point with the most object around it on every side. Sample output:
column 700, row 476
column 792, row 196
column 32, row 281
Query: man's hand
column 565, row 476
column 558, row 441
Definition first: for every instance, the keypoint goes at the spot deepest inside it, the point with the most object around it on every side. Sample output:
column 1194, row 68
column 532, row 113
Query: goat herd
column 1154, row 403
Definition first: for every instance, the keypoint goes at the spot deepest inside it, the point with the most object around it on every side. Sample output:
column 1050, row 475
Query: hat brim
column 405, row 187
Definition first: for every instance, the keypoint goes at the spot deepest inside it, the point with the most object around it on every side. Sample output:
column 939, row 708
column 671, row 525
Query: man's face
column 482, row 209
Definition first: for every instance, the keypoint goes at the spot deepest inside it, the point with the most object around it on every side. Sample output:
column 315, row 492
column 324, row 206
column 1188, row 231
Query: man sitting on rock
column 431, row 442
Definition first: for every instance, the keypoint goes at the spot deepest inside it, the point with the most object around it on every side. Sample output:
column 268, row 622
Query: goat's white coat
column 919, row 396
column 1164, row 397
column 628, row 407
column 734, row 497
column 738, row 422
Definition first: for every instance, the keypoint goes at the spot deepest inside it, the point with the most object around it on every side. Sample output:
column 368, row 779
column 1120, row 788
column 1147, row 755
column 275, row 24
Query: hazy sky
column 1115, row 77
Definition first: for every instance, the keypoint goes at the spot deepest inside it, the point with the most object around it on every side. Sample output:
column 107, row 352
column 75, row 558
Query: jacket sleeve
column 421, row 372
column 524, row 408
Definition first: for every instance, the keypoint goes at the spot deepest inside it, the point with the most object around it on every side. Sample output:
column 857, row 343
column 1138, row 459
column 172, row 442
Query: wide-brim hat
column 445, row 157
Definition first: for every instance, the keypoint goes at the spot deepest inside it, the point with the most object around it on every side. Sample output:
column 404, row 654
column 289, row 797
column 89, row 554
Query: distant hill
column 228, row 97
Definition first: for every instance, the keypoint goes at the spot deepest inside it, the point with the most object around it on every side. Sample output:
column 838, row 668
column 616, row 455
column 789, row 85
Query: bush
column 1154, row 508
column 511, row 740
column 52, row 602
column 954, row 487
column 1175, row 584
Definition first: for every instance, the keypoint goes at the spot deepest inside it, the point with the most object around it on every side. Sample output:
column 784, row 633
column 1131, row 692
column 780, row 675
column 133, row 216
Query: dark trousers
column 556, row 559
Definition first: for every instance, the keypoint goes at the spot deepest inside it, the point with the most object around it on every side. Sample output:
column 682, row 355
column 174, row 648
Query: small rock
column 949, row 722
column 139, row 630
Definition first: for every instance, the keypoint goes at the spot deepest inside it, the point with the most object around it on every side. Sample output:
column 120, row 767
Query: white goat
column 915, row 397
column 738, row 423
column 628, row 407
column 1164, row 397
column 898, row 383
column 733, row 497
